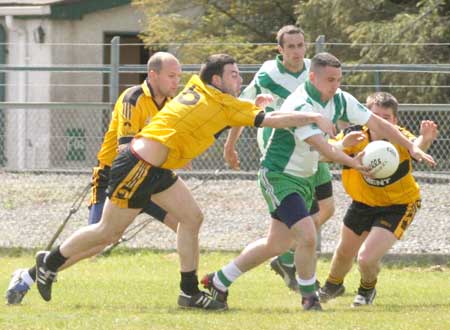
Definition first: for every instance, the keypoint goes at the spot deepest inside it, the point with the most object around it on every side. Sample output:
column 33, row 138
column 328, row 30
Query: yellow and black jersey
column 133, row 110
column 191, row 122
column 400, row 188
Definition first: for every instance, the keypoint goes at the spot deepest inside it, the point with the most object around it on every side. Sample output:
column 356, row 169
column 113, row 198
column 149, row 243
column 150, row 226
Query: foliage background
column 356, row 31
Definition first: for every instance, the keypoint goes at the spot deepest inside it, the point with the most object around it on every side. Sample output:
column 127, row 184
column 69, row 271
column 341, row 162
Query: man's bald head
column 156, row 61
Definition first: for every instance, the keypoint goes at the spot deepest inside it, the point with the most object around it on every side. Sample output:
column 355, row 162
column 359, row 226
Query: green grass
column 139, row 291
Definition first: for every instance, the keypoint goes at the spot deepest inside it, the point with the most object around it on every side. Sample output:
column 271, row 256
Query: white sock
column 226, row 276
column 310, row 281
column 27, row 278
column 307, row 287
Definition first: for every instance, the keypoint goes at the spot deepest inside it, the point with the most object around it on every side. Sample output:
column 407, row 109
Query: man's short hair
column 383, row 99
column 322, row 60
column 287, row 29
column 214, row 65
column 155, row 62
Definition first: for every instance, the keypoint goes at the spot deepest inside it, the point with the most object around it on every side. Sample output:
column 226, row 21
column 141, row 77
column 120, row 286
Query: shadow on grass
column 407, row 259
column 389, row 261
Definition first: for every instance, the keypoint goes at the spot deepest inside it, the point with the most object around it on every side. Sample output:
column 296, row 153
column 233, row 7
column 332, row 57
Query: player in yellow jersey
column 181, row 131
column 134, row 109
column 381, row 209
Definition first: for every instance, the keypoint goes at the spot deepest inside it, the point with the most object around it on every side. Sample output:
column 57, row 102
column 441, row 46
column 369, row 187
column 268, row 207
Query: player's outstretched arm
column 281, row 119
column 428, row 133
column 390, row 132
column 229, row 151
column 336, row 155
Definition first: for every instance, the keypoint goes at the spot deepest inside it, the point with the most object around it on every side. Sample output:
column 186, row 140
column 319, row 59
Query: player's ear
column 216, row 80
column 152, row 74
column 280, row 49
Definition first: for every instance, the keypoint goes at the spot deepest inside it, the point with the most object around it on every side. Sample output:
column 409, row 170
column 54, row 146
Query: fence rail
column 65, row 134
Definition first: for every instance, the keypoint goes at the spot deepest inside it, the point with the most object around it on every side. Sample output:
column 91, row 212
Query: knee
column 307, row 241
column 310, row 241
column 193, row 220
column 366, row 262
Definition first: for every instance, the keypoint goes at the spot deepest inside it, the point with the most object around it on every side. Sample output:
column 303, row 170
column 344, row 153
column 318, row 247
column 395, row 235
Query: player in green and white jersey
column 286, row 178
column 279, row 78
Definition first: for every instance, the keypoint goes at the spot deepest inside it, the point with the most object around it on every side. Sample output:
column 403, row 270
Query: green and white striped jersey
column 273, row 78
column 285, row 149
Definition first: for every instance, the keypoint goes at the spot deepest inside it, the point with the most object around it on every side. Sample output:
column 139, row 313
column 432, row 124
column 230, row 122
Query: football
column 382, row 158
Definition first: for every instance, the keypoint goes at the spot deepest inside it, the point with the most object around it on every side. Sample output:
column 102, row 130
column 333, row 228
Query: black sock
column 55, row 259
column 189, row 283
column 32, row 273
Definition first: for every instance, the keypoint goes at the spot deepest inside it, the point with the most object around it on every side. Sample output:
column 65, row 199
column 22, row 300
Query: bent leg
column 305, row 250
column 278, row 240
column 326, row 211
column 113, row 223
column 178, row 201
column 377, row 244
column 347, row 249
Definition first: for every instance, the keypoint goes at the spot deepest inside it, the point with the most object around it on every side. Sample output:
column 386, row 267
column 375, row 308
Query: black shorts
column 133, row 181
column 292, row 209
column 323, row 191
column 99, row 183
column 395, row 218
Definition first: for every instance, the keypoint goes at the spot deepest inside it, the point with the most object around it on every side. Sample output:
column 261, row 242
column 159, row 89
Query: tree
column 214, row 26
column 373, row 31
column 385, row 22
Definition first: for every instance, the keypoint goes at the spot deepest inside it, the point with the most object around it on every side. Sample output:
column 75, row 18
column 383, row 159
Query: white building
column 60, row 32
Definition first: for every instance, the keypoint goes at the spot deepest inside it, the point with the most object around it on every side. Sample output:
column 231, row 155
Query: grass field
column 139, row 291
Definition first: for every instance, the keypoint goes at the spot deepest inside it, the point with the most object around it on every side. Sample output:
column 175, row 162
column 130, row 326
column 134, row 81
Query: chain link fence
column 52, row 122
column 65, row 134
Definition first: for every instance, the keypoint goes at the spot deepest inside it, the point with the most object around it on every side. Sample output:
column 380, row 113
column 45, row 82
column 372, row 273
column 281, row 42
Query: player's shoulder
column 268, row 68
column 132, row 94
column 405, row 131
column 298, row 100
column 268, row 65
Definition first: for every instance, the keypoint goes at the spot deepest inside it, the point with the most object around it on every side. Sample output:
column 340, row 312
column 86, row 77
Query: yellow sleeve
column 410, row 136
column 129, row 121
column 242, row 113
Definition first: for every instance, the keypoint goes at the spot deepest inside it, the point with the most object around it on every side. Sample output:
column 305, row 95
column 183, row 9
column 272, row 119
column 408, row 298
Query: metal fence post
column 320, row 47
column 377, row 81
column 320, row 44
column 114, row 73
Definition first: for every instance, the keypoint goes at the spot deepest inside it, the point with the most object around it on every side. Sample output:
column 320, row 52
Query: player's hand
column 263, row 100
column 357, row 165
column 429, row 130
column 352, row 139
column 421, row 156
column 232, row 158
column 326, row 126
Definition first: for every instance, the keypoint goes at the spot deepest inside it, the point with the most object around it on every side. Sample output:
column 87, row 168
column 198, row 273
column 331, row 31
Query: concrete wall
column 37, row 138
column 27, row 130
column 88, row 36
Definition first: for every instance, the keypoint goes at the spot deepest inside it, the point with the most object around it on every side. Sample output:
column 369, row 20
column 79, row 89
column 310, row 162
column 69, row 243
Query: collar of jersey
column 148, row 91
column 282, row 68
column 314, row 93
column 210, row 89
column 147, row 88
